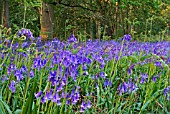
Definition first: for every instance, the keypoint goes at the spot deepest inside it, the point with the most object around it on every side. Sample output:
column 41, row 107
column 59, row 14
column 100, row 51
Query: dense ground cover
column 92, row 77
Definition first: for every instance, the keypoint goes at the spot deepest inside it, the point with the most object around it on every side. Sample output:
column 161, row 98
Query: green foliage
column 101, row 19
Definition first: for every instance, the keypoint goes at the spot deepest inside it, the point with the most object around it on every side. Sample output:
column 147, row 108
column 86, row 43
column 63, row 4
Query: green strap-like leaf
column 6, row 106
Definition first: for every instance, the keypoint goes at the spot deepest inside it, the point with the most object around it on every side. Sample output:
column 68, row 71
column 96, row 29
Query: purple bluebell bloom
column 31, row 73
column 102, row 74
column 122, row 88
column 83, row 107
column 4, row 78
column 18, row 75
column 12, row 86
column 24, row 69
column 154, row 78
column 88, row 104
column 167, row 92
column 59, row 88
column 107, row 83
column 85, row 67
column 75, row 97
column 43, row 99
column 130, row 69
column 56, row 99
column 127, row 37
column 144, row 78
column 37, row 95
column 11, row 68
column 72, row 39
column 49, row 95
column 39, row 63
column 127, row 87
column 52, row 76
column 158, row 64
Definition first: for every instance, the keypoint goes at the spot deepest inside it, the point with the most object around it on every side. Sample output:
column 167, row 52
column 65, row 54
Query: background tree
column 46, row 20
column 103, row 19
column 4, row 13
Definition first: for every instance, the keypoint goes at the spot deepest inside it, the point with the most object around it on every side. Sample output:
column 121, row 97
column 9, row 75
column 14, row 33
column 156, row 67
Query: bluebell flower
column 127, row 37
column 72, row 39
column 49, row 94
column 127, row 87
column 66, row 62
column 24, row 44
column 11, row 68
column 52, row 77
column 59, row 88
column 85, row 67
column 158, row 64
column 56, row 99
column 102, row 74
column 39, row 63
column 144, row 78
column 24, row 69
column 107, row 83
column 75, row 97
column 154, row 78
column 12, row 86
column 167, row 92
column 83, row 107
column 130, row 69
column 4, row 78
column 168, row 60
column 37, row 95
column 31, row 73
column 88, row 104
column 122, row 88
column 18, row 74
column 43, row 99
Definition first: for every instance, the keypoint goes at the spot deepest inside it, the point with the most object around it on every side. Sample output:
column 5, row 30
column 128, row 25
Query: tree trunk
column 6, row 14
column 98, row 29
column 127, row 16
column 46, row 21
column 117, row 10
column 1, row 12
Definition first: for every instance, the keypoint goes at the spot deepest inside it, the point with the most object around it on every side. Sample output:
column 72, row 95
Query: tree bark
column 1, row 12
column 46, row 21
column 6, row 14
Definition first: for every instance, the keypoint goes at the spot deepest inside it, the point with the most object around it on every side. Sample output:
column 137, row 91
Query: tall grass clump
column 96, row 76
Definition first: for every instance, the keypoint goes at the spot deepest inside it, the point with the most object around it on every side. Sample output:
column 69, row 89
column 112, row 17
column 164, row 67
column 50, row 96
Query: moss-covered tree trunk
column 46, row 21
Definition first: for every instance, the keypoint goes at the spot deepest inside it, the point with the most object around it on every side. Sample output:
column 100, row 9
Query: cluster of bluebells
column 65, row 64
column 56, row 96
column 127, row 87
column 19, row 74
column 27, row 33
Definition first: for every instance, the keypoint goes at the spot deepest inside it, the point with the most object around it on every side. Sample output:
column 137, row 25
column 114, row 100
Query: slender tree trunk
column 98, row 29
column 6, row 14
column 117, row 10
column 85, row 28
column 1, row 11
column 127, row 16
column 91, row 28
column 46, row 21
column 122, row 19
